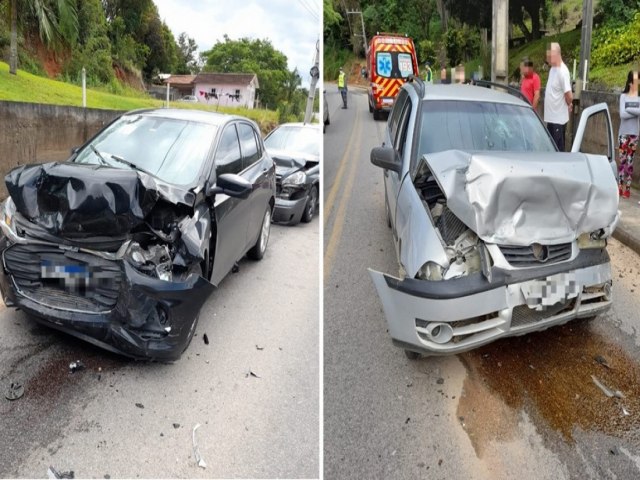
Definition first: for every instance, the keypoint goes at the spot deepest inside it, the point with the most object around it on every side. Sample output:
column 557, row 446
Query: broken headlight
column 155, row 261
column 430, row 271
column 592, row 240
column 8, row 213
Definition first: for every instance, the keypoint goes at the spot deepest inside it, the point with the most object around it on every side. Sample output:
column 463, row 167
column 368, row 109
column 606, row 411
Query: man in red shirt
column 530, row 85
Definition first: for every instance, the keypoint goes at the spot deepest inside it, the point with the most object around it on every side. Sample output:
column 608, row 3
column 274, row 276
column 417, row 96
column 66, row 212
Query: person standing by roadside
column 530, row 86
column 557, row 96
column 628, row 132
column 342, row 86
column 428, row 73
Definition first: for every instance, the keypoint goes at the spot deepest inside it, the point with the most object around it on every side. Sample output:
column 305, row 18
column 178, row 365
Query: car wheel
column 370, row 108
column 412, row 355
column 257, row 251
column 376, row 114
column 310, row 207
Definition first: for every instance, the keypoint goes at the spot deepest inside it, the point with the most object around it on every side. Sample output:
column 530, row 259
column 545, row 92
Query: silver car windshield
column 173, row 150
column 481, row 126
column 295, row 139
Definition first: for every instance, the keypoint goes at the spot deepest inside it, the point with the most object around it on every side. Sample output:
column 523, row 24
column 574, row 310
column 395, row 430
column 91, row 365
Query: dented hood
column 79, row 200
column 517, row 198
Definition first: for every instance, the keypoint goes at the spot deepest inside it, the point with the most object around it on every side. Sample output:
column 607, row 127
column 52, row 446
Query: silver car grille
column 535, row 255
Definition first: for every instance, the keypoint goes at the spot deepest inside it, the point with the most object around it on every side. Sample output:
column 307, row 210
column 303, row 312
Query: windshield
column 394, row 64
column 171, row 149
column 296, row 139
column 478, row 126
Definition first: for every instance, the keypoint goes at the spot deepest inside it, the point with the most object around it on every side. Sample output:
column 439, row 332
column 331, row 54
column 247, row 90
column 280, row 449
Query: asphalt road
column 88, row 421
column 522, row 408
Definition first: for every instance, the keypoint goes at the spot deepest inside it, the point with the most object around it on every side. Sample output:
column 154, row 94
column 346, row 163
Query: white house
column 224, row 89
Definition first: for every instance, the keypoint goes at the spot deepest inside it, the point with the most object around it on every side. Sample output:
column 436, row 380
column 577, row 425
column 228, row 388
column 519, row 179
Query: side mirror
column 385, row 157
column 232, row 185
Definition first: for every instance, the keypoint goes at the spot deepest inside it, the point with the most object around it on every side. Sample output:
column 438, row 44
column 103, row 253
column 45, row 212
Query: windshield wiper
column 130, row 164
column 98, row 154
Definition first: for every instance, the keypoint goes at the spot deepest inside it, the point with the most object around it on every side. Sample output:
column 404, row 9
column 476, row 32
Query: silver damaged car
column 495, row 231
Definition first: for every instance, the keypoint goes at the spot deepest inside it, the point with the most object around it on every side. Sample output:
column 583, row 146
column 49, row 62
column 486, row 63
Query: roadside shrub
column 617, row 45
column 427, row 52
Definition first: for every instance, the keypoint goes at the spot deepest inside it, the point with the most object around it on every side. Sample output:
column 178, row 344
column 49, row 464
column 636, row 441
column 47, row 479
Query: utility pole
column 500, row 42
column 315, row 75
column 364, row 35
column 585, row 42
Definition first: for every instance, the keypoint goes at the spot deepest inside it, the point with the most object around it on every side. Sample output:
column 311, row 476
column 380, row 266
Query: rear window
column 481, row 126
column 394, row 64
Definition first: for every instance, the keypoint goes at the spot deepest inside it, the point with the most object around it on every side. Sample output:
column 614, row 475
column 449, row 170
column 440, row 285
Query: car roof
column 201, row 116
column 470, row 93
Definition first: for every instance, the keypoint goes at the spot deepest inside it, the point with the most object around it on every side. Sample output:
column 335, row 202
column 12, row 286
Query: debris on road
column 53, row 473
column 625, row 412
column 176, row 425
column 602, row 361
column 206, row 339
column 259, row 347
column 440, row 381
column 76, row 366
column 609, row 393
column 196, row 452
column 15, row 391
column 139, row 405
column 252, row 373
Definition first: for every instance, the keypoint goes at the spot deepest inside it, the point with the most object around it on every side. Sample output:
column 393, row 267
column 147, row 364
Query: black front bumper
column 151, row 318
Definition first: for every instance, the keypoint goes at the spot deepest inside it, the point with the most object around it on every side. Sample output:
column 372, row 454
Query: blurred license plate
column 387, row 101
column 552, row 290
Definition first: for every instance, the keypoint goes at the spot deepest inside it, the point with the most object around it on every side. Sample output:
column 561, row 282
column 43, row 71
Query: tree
column 330, row 16
column 54, row 20
column 187, row 62
column 251, row 56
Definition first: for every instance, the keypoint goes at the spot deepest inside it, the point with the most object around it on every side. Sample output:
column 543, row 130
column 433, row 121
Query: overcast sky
column 290, row 26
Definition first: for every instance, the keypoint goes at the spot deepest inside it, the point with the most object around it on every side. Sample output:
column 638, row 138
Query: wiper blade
column 98, row 154
column 130, row 164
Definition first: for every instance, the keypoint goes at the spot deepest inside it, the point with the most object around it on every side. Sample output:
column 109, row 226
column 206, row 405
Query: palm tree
column 49, row 21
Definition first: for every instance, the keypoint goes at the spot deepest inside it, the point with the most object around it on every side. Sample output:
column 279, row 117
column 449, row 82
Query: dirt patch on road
column 550, row 374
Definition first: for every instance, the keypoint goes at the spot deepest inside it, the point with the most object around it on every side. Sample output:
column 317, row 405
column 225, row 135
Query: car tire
column 412, row 355
column 257, row 251
column 310, row 207
column 370, row 108
column 377, row 115
column 192, row 331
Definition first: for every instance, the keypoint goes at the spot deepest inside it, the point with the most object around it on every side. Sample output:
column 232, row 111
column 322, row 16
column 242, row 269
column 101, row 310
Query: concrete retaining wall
column 31, row 132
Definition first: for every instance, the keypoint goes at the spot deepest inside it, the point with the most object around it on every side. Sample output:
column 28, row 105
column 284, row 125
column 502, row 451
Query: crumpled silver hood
column 518, row 198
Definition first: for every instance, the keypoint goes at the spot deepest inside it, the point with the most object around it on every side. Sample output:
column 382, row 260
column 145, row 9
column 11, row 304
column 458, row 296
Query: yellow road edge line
column 338, row 223
column 331, row 198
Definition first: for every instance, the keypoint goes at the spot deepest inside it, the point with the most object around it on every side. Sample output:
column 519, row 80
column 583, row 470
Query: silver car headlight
column 297, row 178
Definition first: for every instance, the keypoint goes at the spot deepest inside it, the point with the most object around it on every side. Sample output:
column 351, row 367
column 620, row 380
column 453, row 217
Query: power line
column 311, row 12
column 312, row 6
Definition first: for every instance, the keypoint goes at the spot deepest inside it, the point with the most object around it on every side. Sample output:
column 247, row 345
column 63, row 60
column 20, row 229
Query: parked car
column 326, row 120
column 122, row 244
column 295, row 149
column 496, row 232
column 189, row 99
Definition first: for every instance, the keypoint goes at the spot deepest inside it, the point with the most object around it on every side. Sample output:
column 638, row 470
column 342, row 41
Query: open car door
column 595, row 134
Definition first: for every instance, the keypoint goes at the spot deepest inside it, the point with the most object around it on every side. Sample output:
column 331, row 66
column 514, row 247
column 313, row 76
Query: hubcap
column 264, row 235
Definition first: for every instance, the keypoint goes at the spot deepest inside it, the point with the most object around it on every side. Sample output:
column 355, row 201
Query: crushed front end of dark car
column 112, row 256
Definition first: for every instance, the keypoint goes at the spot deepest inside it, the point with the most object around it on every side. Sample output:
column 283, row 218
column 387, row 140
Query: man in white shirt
column 557, row 96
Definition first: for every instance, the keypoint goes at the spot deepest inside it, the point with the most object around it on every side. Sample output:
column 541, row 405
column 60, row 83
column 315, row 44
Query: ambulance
column 391, row 58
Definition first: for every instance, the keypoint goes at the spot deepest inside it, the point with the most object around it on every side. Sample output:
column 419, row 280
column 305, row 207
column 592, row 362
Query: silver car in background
column 496, row 232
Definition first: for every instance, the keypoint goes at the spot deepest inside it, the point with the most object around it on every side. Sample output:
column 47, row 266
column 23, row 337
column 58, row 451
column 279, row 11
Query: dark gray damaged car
column 122, row 244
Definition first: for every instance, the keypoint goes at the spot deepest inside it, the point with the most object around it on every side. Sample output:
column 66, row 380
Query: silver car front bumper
column 469, row 321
